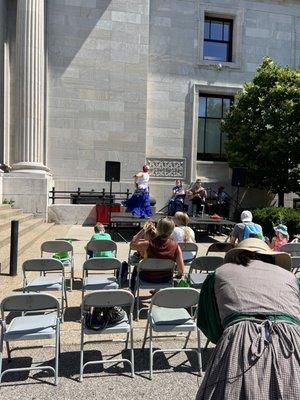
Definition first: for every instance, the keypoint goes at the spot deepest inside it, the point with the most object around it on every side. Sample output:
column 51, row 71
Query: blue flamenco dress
column 139, row 203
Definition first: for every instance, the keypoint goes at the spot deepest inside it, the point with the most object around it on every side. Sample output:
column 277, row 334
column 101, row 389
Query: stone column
column 30, row 43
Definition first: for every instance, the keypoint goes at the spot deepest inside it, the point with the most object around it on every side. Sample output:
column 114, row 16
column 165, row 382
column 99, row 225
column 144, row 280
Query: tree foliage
column 263, row 128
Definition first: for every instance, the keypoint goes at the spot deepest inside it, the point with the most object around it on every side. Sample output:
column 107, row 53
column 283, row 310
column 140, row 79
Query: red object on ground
column 215, row 216
column 102, row 211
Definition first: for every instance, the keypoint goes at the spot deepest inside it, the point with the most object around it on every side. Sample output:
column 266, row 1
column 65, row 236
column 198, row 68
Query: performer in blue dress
column 139, row 203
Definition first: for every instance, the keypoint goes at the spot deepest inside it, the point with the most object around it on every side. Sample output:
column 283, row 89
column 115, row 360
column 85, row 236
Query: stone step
column 9, row 213
column 4, row 206
column 5, row 223
column 25, row 242
column 24, row 228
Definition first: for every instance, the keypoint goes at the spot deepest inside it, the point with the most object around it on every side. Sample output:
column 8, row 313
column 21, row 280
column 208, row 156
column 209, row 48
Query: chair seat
column 121, row 327
column 31, row 327
column 153, row 285
column 171, row 319
column 196, row 279
column 98, row 282
column 45, row 283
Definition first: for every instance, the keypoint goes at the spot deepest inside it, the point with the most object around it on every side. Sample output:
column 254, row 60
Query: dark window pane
column 226, row 106
column 212, row 136
column 216, row 30
column 215, row 51
column 226, row 32
column 206, row 29
column 201, row 123
column 214, row 107
column 202, row 106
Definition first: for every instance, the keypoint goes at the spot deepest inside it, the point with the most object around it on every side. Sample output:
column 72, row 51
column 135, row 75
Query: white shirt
column 143, row 181
column 178, row 236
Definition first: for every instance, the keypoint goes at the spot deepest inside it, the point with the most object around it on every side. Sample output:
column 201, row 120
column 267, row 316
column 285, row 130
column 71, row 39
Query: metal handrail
column 103, row 195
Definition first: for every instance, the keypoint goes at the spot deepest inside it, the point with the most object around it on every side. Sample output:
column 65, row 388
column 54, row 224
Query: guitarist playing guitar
column 197, row 195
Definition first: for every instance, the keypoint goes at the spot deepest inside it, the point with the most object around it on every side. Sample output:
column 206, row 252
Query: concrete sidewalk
column 176, row 375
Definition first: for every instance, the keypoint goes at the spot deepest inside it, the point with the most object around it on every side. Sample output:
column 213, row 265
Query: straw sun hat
column 259, row 246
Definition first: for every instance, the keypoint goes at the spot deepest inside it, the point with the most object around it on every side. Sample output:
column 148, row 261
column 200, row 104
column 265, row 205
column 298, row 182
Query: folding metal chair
column 133, row 261
column 168, row 314
column 294, row 250
column 108, row 298
column 61, row 246
column 204, row 263
column 101, row 245
column 97, row 281
column 188, row 247
column 30, row 327
column 220, row 247
column 46, row 283
column 153, row 265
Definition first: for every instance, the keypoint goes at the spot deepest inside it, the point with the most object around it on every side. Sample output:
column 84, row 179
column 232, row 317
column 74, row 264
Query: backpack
column 102, row 317
column 252, row 231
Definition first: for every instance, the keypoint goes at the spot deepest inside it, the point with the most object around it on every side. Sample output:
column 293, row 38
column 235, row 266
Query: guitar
column 202, row 194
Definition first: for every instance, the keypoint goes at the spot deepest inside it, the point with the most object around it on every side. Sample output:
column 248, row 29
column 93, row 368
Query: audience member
column 250, row 308
column 161, row 247
column 177, row 200
column 281, row 237
column 246, row 229
column 100, row 234
column 183, row 233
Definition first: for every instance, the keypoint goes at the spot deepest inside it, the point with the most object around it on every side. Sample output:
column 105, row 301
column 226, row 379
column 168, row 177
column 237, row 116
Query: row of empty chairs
column 167, row 313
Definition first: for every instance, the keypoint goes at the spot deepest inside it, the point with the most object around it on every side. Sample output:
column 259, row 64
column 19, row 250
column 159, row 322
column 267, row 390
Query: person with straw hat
column 250, row 308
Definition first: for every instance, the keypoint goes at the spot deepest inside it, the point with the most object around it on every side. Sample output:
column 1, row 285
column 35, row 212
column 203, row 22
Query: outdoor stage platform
column 127, row 221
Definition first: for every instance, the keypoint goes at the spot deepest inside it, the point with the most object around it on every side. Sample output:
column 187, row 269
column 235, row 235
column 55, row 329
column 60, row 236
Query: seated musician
column 177, row 200
column 197, row 195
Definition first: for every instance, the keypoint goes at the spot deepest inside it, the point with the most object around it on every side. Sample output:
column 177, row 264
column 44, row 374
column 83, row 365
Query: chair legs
column 57, row 353
column 151, row 353
column 199, row 352
column 81, row 352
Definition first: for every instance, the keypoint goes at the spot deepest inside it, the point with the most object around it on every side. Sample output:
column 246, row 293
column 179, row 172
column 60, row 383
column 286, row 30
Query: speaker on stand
column 238, row 179
column 112, row 174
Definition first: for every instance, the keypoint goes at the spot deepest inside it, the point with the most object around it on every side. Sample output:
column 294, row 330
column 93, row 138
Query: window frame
column 202, row 156
column 229, row 42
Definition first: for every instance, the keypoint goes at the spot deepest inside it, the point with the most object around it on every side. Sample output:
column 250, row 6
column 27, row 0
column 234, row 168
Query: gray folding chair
column 93, row 280
column 133, row 261
column 108, row 298
column 294, row 250
column 220, row 247
column 168, row 314
column 46, row 283
column 30, row 327
column 153, row 265
column 188, row 248
column 101, row 245
column 61, row 246
column 204, row 263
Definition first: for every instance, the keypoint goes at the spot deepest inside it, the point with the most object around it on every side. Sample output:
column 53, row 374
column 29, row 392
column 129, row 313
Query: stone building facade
column 86, row 81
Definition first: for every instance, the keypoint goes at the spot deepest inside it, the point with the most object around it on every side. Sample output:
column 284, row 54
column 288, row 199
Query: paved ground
column 176, row 376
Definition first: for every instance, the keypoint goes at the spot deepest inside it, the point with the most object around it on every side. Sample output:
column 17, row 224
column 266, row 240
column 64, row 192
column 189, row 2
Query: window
column 212, row 108
column 217, row 39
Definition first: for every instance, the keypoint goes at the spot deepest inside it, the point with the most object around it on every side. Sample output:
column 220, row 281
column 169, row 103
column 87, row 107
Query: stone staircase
column 30, row 229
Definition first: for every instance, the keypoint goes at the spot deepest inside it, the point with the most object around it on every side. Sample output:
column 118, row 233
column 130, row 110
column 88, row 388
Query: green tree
column 263, row 128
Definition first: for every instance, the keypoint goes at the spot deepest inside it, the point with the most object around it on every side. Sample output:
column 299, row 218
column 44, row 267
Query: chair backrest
column 29, row 302
column 295, row 262
column 102, row 245
column 176, row 298
column 155, row 264
column 42, row 264
column 188, row 246
column 206, row 263
column 108, row 298
column 220, row 247
column 56, row 246
column 292, row 248
column 102, row 264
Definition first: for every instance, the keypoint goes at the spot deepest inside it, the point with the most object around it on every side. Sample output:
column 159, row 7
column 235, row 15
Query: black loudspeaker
column 112, row 171
column 239, row 177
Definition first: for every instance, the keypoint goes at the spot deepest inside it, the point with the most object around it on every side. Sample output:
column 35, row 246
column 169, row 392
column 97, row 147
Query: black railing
column 88, row 197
